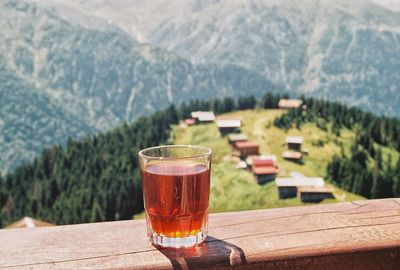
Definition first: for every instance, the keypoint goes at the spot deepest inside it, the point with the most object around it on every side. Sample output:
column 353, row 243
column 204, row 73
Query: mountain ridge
column 338, row 50
column 95, row 78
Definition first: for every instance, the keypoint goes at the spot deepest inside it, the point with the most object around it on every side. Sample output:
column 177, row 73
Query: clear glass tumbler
column 176, row 191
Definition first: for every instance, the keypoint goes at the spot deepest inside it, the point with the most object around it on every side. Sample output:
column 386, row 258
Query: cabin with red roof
column 258, row 162
column 247, row 148
column 264, row 174
column 289, row 103
column 190, row 122
column 264, row 170
column 238, row 137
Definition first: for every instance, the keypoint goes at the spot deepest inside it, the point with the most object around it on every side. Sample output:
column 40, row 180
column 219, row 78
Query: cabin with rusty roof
column 289, row 103
column 189, row 122
column 247, row 148
column 264, row 170
column 237, row 137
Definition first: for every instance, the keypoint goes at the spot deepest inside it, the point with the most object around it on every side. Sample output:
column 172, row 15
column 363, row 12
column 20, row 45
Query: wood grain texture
column 353, row 235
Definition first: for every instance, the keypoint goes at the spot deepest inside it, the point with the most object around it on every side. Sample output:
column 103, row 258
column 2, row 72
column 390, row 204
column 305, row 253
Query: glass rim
column 207, row 152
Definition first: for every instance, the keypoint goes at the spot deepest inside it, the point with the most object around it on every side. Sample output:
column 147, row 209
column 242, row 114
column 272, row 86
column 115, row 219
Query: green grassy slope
column 234, row 189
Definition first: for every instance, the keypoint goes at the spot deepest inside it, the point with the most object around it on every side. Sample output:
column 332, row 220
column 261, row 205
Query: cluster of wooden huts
column 294, row 143
column 264, row 167
column 293, row 151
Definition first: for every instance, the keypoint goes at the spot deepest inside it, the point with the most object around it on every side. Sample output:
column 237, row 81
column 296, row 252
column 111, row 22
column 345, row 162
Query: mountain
column 345, row 50
column 389, row 4
column 77, row 67
column 65, row 74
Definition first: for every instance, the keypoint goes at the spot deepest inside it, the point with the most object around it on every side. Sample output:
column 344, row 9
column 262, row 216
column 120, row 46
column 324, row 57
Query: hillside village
column 286, row 168
column 264, row 166
column 265, row 171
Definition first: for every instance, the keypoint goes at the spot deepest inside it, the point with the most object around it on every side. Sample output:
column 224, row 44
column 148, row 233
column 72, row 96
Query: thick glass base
column 177, row 242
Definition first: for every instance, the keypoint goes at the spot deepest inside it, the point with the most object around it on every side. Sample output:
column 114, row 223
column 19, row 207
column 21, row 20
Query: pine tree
column 396, row 179
column 357, row 184
column 1, row 191
column 377, row 187
column 54, row 190
column 229, row 104
column 378, row 159
column 34, row 207
column 396, row 185
column 366, row 185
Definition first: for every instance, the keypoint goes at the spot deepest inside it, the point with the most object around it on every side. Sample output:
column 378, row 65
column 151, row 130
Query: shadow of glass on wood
column 211, row 253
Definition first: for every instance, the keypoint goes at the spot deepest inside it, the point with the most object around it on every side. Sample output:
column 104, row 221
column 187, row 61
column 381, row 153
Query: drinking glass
column 176, row 191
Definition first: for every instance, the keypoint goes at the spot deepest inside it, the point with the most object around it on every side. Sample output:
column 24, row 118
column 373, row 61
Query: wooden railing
column 353, row 235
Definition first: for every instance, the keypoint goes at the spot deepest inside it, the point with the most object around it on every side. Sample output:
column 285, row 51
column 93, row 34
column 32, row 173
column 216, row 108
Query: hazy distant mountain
column 61, row 79
column 347, row 50
column 389, row 4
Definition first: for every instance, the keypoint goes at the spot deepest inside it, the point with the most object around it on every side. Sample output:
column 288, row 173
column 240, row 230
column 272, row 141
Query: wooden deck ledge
column 351, row 235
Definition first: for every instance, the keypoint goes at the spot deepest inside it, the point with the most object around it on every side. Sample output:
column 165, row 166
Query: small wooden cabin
column 292, row 155
column 259, row 162
column 289, row 103
column 294, row 143
column 247, row 148
column 239, row 137
column 249, row 159
column 226, row 126
column 264, row 174
column 28, row 222
column 202, row 117
column 314, row 194
column 287, row 187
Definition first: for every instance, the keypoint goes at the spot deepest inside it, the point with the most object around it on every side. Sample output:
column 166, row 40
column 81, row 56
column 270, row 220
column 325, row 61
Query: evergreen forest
column 97, row 178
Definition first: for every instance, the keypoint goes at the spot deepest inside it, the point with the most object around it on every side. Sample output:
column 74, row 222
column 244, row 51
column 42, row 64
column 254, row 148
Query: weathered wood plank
column 357, row 235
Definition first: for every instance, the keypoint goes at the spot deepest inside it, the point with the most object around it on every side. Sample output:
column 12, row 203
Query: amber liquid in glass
column 176, row 198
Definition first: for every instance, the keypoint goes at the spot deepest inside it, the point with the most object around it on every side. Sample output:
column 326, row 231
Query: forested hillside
column 371, row 167
column 95, row 178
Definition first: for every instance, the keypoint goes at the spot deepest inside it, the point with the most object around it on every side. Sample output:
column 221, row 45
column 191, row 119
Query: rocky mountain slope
column 80, row 66
column 342, row 50
column 64, row 78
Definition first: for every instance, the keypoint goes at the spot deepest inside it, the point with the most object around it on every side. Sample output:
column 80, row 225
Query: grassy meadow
column 235, row 189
